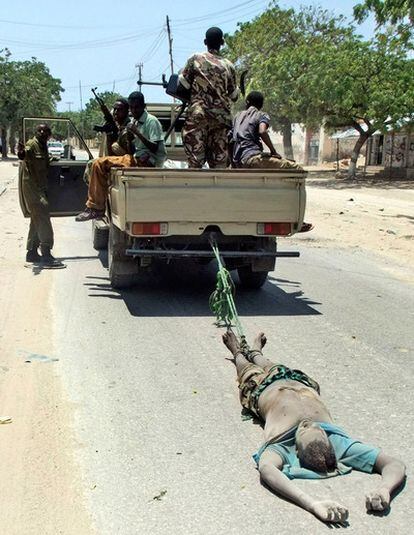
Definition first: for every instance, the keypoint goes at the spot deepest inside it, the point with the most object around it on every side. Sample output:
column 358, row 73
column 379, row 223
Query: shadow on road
column 171, row 291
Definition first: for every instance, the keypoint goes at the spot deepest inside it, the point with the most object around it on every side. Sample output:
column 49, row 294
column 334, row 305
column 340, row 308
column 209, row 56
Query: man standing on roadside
column 36, row 160
column 211, row 80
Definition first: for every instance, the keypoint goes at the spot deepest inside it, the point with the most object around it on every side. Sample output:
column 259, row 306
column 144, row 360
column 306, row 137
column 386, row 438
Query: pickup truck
column 173, row 213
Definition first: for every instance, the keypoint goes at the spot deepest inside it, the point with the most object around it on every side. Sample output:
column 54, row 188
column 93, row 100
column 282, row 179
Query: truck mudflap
column 209, row 254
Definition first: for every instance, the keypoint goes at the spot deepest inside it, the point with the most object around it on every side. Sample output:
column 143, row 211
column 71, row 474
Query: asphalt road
column 154, row 430
column 162, row 445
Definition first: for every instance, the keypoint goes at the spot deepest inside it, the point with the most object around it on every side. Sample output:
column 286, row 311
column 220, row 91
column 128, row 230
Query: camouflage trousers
column 262, row 161
column 205, row 141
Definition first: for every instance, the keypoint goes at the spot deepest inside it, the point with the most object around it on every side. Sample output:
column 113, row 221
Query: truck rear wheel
column 252, row 280
column 100, row 237
column 122, row 269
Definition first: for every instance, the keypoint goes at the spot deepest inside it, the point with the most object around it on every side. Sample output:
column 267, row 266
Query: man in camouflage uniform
column 36, row 160
column 211, row 80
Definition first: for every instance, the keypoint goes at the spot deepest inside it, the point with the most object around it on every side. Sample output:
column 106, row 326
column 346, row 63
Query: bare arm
column 270, row 466
column 264, row 134
column 392, row 475
column 152, row 147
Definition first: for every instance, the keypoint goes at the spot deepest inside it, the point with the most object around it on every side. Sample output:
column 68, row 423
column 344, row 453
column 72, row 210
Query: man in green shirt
column 149, row 152
column 35, row 167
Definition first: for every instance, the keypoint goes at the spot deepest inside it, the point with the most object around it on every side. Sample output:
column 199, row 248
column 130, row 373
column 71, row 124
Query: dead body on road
column 301, row 440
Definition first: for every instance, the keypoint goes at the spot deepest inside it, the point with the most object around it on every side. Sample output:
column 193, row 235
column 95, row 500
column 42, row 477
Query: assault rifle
column 109, row 127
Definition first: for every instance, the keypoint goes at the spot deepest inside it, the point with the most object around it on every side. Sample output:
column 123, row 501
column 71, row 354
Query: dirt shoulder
column 41, row 486
column 377, row 217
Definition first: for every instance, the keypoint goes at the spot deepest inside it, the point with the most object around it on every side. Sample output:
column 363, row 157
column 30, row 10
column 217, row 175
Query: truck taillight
column 146, row 229
column 274, row 229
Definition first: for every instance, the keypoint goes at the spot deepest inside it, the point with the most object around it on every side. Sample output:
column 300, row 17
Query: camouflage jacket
column 212, row 82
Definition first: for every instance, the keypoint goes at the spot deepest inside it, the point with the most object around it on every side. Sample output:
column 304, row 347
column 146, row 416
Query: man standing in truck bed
column 211, row 80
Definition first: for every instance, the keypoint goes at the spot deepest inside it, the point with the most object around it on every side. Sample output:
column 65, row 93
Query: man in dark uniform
column 211, row 80
column 36, row 160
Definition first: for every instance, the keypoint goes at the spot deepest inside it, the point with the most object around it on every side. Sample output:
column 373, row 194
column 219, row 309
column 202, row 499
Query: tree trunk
column 3, row 133
column 287, row 140
column 355, row 153
column 12, row 141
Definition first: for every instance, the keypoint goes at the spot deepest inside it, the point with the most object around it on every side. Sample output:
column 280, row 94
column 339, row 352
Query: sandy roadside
column 41, row 487
column 377, row 218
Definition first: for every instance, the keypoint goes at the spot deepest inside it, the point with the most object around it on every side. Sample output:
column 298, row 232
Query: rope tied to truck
column 222, row 302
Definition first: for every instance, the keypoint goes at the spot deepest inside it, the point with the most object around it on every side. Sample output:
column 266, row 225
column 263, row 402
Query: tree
column 92, row 113
column 277, row 48
column 26, row 88
column 367, row 84
column 393, row 11
column 313, row 70
column 398, row 13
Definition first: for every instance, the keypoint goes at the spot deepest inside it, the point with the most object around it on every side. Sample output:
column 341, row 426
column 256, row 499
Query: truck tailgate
column 236, row 196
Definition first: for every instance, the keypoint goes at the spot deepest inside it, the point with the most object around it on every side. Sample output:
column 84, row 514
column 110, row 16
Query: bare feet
column 259, row 341
column 231, row 342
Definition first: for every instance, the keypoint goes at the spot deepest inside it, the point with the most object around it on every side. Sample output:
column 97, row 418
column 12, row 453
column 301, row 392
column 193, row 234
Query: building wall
column 397, row 150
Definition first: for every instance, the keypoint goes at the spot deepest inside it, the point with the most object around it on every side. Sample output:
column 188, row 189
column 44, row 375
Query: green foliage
column 393, row 11
column 26, row 88
column 279, row 48
column 314, row 69
column 92, row 114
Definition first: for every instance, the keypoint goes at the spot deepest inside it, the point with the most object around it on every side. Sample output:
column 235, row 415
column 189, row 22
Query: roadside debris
column 159, row 496
column 5, row 420
column 32, row 357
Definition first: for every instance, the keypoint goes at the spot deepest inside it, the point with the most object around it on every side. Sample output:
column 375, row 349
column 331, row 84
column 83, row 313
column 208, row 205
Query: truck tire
column 122, row 269
column 251, row 280
column 100, row 237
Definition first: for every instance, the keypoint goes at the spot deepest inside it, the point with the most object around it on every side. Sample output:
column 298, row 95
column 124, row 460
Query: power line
column 234, row 9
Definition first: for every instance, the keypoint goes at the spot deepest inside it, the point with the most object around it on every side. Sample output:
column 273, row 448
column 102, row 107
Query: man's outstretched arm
column 392, row 475
column 270, row 466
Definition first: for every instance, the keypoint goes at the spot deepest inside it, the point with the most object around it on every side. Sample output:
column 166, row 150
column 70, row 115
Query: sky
column 100, row 43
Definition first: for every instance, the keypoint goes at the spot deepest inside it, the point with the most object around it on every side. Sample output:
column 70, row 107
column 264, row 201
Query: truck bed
column 189, row 200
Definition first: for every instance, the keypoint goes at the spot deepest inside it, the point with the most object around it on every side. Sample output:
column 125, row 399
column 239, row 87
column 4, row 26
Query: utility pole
column 81, row 108
column 69, row 105
column 139, row 82
column 170, row 41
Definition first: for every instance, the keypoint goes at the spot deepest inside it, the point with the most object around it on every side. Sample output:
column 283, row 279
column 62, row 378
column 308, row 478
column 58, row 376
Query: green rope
column 222, row 302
